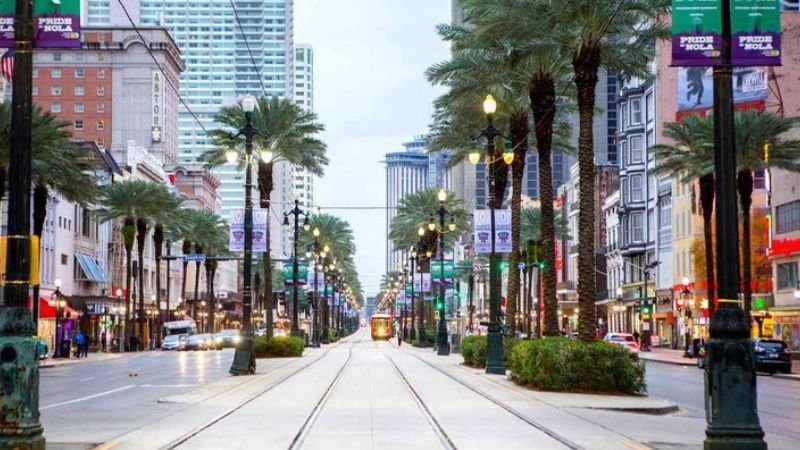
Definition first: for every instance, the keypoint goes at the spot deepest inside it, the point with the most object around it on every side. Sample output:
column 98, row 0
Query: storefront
column 666, row 329
column 787, row 326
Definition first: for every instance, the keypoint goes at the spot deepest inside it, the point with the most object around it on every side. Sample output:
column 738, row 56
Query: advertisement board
column 696, row 89
column 57, row 23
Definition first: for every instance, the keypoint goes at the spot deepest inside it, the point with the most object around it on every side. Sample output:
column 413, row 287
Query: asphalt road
column 87, row 403
column 778, row 399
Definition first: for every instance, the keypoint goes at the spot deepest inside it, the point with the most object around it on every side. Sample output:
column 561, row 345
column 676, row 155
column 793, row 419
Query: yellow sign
column 34, row 271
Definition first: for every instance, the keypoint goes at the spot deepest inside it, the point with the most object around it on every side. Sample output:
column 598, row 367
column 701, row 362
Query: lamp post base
column 423, row 338
column 730, row 385
column 494, row 353
column 442, row 345
column 244, row 360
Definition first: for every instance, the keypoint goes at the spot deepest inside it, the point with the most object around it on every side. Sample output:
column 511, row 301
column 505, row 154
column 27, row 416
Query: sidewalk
column 90, row 358
column 667, row 356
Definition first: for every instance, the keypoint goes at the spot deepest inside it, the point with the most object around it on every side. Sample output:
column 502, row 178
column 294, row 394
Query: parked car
column 228, row 338
column 624, row 340
column 174, row 342
column 201, row 342
column 773, row 355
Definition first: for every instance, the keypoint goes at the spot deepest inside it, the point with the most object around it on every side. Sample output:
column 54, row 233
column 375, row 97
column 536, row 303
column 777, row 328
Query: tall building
column 407, row 172
column 229, row 50
column 302, row 180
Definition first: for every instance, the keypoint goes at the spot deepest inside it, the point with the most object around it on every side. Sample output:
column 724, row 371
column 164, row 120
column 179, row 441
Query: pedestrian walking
column 636, row 337
column 103, row 341
column 80, row 341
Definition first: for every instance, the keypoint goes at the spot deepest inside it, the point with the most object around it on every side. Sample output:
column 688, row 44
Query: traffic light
column 503, row 265
column 439, row 304
column 541, row 265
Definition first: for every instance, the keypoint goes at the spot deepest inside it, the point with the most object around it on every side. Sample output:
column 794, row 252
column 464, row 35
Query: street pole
column 296, row 212
column 314, row 296
column 20, row 426
column 730, row 377
column 443, row 346
column 244, row 362
column 470, row 293
column 421, row 332
column 325, row 331
column 414, row 258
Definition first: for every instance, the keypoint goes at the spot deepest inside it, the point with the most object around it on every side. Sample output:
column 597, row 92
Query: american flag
column 7, row 65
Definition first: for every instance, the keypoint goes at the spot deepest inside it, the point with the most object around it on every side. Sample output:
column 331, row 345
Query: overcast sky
column 370, row 92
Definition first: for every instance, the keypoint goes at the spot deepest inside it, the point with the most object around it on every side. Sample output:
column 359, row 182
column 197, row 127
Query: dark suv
column 772, row 356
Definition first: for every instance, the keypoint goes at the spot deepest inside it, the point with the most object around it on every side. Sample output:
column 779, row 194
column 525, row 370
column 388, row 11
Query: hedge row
column 473, row 349
column 558, row 364
column 278, row 347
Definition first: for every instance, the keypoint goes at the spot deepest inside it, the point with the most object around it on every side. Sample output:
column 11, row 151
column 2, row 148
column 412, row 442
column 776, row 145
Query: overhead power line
column 249, row 51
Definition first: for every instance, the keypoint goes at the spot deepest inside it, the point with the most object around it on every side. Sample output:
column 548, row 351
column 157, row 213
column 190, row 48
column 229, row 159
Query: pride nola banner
column 57, row 23
column 755, row 32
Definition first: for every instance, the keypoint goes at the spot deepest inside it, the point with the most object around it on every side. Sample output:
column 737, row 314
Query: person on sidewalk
column 80, row 342
column 103, row 341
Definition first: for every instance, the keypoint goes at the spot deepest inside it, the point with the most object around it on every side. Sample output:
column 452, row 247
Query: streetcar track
column 437, row 428
column 305, row 429
column 544, row 429
column 192, row 434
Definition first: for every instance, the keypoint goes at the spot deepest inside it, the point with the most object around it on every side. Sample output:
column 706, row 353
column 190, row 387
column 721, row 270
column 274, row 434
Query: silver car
column 174, row 342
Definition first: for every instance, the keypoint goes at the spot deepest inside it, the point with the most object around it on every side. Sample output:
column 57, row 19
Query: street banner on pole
column 57, row 24
column 482, row 229
column 756, row 32
column 302, row 273
column 236, row 230
column 502, row 231
column 424, row 285
column 436, row 271
column 312, row 285
column 696, row 32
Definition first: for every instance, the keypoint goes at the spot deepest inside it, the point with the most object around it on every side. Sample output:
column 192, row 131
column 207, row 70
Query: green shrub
column 473, row 349
column 558, row 364
column 333, row 335
column 430, row 339
column 278, row 347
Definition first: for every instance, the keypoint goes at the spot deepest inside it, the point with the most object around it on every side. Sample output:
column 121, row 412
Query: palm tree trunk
column 198, row 249
column 128, row 236
column 744, row 185
column 586, row 63
column 158, row 242
column 212, row 299
column 40, row 194
column 543, row 105
column 186, row 249
column 707, row 203
column 141, row 234
column 519, row 141
column 265, row 185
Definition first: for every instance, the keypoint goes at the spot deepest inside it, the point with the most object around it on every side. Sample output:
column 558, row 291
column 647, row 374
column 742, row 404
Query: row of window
column 632, row 114
column 78, row 107
column 787, row 217
column 77, row 91
column 78, row 72
column 100, row 125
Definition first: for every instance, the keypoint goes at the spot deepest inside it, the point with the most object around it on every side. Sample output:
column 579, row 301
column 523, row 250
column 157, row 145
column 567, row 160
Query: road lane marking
column 89, row 397
column 168, row 385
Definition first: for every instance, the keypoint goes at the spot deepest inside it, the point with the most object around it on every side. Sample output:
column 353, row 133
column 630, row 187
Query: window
column 636, row 111
column 56, row 73
column 79, row 91
column 101, row 107
column 78, row 124
column 55, row 107
column 637, row 227
column 637, row 192
column 100, row 143
column 78, row 56
column 636, row 149
column 623, row 111
column 55, row 91
column 101, row 91
column 35, row 91
column 101, row 74
column 624, row 191
column 64, row 259
column 79, row 108
column 626, row 231
column 56, row 56
column 787, row 217
column 79, row 73
column 787, row 276
column 624, row 152
column 35, row 73
column 86, row 224
column 101, row 125
column 651, row 107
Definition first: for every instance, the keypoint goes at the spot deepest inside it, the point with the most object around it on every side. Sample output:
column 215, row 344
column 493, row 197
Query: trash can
column 64, row 347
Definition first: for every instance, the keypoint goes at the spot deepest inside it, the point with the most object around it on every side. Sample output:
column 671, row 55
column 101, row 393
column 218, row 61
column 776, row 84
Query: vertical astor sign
column 756, row 32
column 696, row 32
column 58, row 23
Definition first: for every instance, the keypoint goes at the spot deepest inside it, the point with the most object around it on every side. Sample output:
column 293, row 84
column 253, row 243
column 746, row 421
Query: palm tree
column 691, row 156
column 169, row 219
column 760, row 143
column 128, row 200
column 200, row 227
column 216, row 245
column 288, row 132
column 57, row 164
column 619, row 36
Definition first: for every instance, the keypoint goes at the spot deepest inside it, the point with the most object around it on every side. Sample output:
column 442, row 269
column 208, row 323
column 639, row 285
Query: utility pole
column 20, row 427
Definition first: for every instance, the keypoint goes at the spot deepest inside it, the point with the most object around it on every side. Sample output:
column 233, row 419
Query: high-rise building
column 302, row 180
column 407, row 172
column 230, row 49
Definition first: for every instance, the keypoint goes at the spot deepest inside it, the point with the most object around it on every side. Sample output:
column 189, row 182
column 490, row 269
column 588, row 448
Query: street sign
column 194, row 258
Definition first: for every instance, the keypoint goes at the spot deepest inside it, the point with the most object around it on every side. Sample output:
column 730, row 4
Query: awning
column 93, row 272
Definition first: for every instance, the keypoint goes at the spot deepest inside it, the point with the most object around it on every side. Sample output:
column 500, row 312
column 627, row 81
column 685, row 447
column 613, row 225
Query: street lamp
column 686, row 302
column 120, row 326
column 443, row 346
column 58, row 302
column 296, row 212
column 315, row 300
column 494, row 342
column 244, row 362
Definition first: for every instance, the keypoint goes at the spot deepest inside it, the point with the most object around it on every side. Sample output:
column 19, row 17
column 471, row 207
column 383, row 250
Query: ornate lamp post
column 296, row 212
column 244, row 362
column 442, row 344
column 494, row 342
column 58, row 302
column 413, row 262
column 314, row 257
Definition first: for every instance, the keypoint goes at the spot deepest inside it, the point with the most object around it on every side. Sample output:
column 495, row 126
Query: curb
column 654, row 411
column 674, row 363
column 784, row 376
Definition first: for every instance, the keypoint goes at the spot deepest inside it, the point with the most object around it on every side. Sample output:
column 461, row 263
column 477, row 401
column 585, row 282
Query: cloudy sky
column 370, row 92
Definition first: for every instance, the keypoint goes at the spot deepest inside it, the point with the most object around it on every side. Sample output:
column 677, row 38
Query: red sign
column 784, row 247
